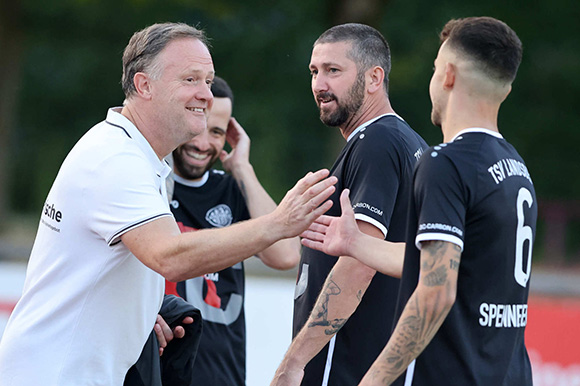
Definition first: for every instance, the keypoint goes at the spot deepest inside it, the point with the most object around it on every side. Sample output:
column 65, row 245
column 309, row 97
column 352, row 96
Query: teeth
column 197, row 156
column 195, row 109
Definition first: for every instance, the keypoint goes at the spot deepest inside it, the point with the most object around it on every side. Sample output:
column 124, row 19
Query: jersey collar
column 364, row 125
column 194, row 184
column 477, row 130
column 115, row 118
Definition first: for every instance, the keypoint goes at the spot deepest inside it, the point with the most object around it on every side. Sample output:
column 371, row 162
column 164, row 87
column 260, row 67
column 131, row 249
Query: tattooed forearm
column 436, row 277
column 424, row 313
column 320, row 313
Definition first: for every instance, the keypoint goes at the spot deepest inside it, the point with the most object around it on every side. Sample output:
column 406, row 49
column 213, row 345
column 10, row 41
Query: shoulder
column 103, row 150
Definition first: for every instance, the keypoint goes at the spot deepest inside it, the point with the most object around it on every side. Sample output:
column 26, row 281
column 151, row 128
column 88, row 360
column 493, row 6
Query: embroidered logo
column 219, row 216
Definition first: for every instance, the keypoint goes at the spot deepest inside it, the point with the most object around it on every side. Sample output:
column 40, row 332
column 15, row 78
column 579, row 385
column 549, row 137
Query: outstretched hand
column 304, row 203
column 333, row 235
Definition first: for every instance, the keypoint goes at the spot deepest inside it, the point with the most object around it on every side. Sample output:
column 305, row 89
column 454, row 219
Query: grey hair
column 143, row 48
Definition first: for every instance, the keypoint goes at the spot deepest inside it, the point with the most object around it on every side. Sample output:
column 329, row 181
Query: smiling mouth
column 195, row 109
column 197, row 156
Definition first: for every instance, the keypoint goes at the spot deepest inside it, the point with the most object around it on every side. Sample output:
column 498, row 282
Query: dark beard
column 187, row 171
column 351, row 106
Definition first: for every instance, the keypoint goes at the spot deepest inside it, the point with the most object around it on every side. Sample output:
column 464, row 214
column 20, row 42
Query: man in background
column 205, row 197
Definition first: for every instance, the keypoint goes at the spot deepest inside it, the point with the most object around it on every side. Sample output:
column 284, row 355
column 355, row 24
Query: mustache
column 325, row 96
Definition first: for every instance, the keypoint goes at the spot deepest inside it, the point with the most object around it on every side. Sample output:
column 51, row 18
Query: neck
column 139, row 120
column 370, row 109
column 463, row 112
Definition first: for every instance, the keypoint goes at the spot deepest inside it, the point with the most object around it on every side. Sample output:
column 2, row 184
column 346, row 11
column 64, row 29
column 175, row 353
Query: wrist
column 242, row 170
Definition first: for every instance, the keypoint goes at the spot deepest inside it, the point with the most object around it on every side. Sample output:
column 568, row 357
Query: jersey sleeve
column 440, row 200
column 125, row 192
column 373, row 177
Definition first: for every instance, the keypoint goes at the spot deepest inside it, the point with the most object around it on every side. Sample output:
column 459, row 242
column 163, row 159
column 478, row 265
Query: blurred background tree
column 60, row 69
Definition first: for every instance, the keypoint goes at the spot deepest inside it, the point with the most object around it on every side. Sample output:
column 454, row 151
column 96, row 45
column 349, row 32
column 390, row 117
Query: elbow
column 284, row 262
column 168, row 270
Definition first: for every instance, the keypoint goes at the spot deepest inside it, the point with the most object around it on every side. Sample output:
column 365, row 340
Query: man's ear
column 450, row 73
column 376, row 76
column 142, row 84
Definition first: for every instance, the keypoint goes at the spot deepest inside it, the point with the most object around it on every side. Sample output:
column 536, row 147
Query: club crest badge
column 219, row 216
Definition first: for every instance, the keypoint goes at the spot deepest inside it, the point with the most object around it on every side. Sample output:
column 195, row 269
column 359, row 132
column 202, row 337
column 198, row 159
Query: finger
column 187, row 320
column 224, row 155
column 321, row 209
column 316, row 227
column 160, row 336
column 179, row 332
column 314, row 236
column 324, row 220
column 312, row 244
column 164, row 329
column 317, row 198
column 310, row 179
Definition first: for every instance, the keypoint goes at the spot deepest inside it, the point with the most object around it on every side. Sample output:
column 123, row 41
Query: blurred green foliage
column 72, row 68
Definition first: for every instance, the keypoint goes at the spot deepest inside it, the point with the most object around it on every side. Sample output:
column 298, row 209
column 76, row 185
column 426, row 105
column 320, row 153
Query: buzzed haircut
column 144, row 47
column 369, row 47
column 221, row 89
column 488, row 41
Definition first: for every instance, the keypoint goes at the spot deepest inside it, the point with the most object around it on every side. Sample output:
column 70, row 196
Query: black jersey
column 376, row 165
column 475, row 192
column 221, row 357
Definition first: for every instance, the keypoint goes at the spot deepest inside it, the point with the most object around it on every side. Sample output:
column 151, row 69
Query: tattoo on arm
column 320, row 315
column 454, row 264
column 422, row 317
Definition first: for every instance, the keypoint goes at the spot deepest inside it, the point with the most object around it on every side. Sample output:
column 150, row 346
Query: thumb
column 223, row 155
column 345, row 204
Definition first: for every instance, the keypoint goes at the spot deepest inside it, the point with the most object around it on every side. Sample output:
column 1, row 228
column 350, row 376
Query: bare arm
column 423, row 315
column 340, row 236
column 161, row 247
column 340, row 296
column 285, row 253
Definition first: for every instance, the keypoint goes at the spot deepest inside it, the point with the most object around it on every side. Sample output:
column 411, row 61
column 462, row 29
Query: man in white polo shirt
column 106, row 237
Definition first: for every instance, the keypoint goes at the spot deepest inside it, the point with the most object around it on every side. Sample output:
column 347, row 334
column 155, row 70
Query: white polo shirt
column 88, row 304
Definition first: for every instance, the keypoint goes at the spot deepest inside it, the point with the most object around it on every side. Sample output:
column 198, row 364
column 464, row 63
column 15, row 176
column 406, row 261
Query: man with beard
column 338, row 332
column 209, row 198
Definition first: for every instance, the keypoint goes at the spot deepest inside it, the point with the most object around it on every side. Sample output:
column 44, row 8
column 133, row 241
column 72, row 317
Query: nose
column 205, row 94
column 319, row 84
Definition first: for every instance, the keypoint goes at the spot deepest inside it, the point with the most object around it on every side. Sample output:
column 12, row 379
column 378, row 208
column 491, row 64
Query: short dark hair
column 221, row 89
column 490, row 42
column 144, row 47
column 369, row 47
